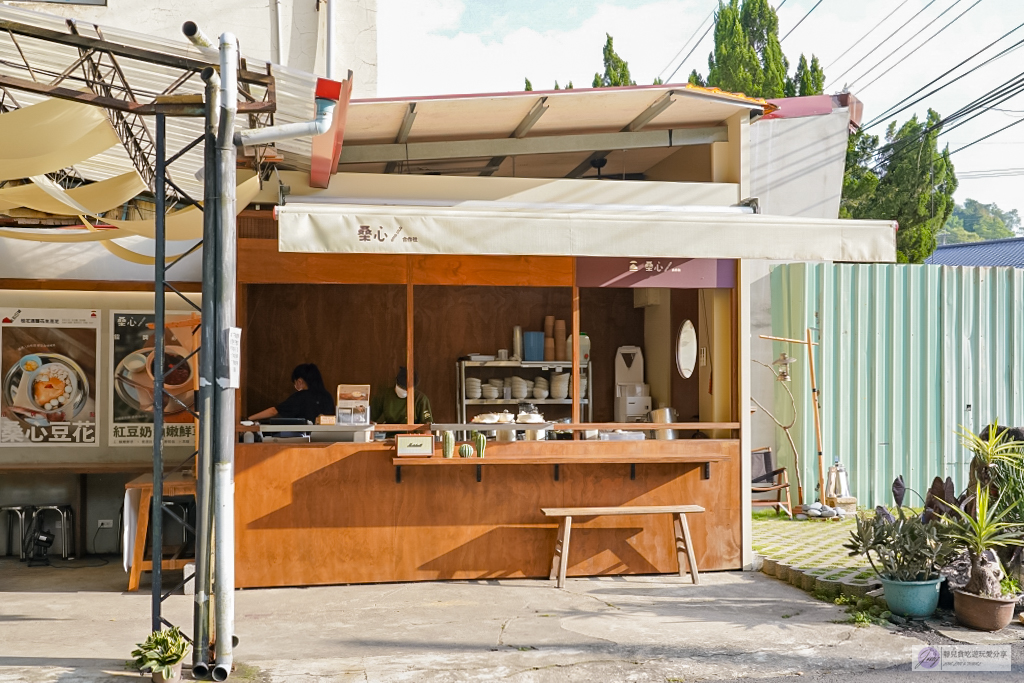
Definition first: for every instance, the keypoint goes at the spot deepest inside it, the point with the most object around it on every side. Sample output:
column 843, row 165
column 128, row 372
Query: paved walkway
column 62, row 625
column 810, row 554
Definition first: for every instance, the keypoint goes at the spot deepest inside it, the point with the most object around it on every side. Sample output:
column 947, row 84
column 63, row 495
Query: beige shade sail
column 186, row 224
column 96, row 198
column 671, row 232
column 51, row 135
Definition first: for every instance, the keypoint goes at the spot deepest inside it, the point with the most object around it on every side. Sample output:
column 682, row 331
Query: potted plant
column 905, row 552
column 983, row 604
column 162, row 655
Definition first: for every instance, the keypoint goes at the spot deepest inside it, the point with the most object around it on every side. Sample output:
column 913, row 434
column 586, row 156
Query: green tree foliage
column 748, row 57
column 974, row 222
column 616, row 69
column 907, row 180
column 529, row 86
column 734, row 65
column 809, row 79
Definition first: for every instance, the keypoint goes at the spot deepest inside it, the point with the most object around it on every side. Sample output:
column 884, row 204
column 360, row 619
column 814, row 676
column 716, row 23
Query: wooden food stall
column 352, row 512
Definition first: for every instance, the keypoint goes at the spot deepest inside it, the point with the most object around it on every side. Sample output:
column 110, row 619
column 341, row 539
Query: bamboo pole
column 817, row 417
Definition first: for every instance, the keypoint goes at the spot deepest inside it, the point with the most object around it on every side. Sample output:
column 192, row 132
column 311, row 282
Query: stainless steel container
column 534, row 434
column 517, row 342
column 505, row 435
column 664, row 416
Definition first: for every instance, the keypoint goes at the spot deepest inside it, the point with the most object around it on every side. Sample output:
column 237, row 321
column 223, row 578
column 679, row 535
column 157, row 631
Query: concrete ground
column 77, row 624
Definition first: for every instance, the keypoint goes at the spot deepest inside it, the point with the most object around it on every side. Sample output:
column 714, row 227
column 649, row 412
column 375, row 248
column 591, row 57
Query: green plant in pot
column 985, row 603
column 905, row 551
column 162, row 655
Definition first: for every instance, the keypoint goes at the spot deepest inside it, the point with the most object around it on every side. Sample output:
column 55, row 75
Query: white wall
column 252, row 21
column 796, row 170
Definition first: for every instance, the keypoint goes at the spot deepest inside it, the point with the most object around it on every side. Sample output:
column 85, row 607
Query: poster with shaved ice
column 133, row 342
column 48, row 366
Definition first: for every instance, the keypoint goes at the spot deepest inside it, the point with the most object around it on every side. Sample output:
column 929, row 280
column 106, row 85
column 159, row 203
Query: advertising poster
column 132, row 399
column 48, row 364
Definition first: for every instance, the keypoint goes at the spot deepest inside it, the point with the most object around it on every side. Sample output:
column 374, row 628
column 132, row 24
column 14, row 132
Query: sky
column 431, row 47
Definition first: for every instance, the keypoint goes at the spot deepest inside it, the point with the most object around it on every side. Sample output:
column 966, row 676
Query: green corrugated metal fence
column 908, row 354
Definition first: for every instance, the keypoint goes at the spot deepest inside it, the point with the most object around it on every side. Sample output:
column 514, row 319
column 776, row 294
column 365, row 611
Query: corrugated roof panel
column 1004, row 252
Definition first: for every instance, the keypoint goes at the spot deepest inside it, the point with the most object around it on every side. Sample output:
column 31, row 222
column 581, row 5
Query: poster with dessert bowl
column 48, row 367
column 132, row 359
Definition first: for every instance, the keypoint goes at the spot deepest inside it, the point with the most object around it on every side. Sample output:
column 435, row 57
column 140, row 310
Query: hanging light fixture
column 782, row 364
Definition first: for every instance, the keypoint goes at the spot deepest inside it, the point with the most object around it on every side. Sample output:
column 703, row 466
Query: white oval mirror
column 686, row 349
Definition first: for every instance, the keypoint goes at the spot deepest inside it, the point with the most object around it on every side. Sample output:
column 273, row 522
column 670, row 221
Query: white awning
column 496, row 229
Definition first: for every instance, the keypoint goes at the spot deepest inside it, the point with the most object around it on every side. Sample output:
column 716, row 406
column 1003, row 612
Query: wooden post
column 576, row 393
column 817, row 418
column 410, row 370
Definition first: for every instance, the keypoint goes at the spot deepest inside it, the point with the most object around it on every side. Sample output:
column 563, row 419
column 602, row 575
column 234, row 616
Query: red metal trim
column 327, row 147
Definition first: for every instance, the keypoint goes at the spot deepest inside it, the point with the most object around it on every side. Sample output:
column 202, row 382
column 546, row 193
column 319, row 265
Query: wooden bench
column 684, row 547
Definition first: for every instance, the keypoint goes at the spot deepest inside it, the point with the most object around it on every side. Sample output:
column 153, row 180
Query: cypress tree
column 734, row 65
column 616, row 69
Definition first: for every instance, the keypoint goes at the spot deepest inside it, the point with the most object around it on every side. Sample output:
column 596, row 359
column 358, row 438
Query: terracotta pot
column 983, row 613
column 175, row 675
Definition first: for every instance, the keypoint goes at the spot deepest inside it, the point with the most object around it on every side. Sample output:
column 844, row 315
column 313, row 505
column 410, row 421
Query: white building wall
column 796, row 169
column 303, row 28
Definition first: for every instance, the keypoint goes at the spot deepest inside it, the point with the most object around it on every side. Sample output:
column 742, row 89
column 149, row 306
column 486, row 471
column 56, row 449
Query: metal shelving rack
column 534, row 366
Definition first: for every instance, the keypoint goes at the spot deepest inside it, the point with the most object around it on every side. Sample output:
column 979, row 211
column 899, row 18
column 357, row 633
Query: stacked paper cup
column 560, row 352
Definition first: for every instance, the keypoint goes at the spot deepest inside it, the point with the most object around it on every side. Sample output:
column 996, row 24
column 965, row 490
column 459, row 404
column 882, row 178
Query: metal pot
column 664, row 416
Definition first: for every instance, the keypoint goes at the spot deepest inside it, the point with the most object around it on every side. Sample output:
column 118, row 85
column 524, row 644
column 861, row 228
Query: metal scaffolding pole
column 207, row 381
column 157, row 511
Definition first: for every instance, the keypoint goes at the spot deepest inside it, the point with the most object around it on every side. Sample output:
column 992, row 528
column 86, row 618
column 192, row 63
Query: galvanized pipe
column 207, row 380
column 277, row 46
column 224, row 393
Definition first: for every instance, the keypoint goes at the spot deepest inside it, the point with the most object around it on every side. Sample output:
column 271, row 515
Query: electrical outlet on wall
column 106, row 524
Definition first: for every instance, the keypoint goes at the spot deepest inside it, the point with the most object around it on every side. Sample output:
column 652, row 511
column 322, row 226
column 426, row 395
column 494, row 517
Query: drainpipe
column 207, row 375
column 287, row 131
column 330, row 39
column 224, row 393
column 277, row 48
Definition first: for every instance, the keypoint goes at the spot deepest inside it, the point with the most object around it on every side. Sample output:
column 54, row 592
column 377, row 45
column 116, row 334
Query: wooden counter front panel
column 313, row 515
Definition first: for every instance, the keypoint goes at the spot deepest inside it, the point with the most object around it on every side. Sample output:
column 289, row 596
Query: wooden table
column 175, row 484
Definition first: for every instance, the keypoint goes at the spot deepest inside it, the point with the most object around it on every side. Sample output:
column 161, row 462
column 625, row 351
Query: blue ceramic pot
column 912, row 599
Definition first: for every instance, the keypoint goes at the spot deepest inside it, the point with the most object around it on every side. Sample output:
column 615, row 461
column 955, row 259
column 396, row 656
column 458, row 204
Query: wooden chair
column 765, row 478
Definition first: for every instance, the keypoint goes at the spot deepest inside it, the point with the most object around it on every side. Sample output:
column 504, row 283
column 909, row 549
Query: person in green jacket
column 388, row 406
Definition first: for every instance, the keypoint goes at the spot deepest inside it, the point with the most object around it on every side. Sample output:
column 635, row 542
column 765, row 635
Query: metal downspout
column 224, row 393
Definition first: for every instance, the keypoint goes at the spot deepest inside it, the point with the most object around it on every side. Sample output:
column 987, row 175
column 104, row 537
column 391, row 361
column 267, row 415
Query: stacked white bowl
column 519, row 388
column 560, row 385
column 473, row 388
column 540, row 387
column 490, row 391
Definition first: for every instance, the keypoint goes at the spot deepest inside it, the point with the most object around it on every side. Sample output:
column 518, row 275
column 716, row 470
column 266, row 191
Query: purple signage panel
column 674, row 273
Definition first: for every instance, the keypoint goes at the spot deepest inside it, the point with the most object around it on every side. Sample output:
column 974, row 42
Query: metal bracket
column 632, row 471
column 398, row 474
column 556, row 472
column 705, row 471
column 479, row 472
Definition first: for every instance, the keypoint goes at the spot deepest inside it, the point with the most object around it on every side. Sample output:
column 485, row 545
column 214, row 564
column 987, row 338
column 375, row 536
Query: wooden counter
column 334, row 513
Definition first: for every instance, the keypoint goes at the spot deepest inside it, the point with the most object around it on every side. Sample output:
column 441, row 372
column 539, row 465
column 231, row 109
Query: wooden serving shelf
column 553, row 459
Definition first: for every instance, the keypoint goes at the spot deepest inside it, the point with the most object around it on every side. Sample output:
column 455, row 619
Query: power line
column 884, row 40
column 801, row 19
column 780, row 5
column 699, row 27
column 890, row 111
column 986, row 137
column 859, row 40
column 906, row 56
column 904, row 43
column 692, row 50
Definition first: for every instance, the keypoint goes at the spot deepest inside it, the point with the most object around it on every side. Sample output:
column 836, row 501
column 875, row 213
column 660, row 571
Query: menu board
column 48, row 363
column 132, row 396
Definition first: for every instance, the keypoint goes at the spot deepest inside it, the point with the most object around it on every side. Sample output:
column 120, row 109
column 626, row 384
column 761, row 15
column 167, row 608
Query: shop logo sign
column 367, row 233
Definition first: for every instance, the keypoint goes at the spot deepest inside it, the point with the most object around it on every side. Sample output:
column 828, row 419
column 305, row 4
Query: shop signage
column 48, row 366
column 132, row 398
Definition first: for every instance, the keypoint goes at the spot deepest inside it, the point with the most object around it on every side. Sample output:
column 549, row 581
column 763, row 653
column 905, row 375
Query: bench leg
column 561, row 560
column 682, row 533
column 139, row 548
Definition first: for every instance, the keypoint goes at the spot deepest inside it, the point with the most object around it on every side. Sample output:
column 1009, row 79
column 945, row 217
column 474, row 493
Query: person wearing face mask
column 388, row 406
column 310, row 399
